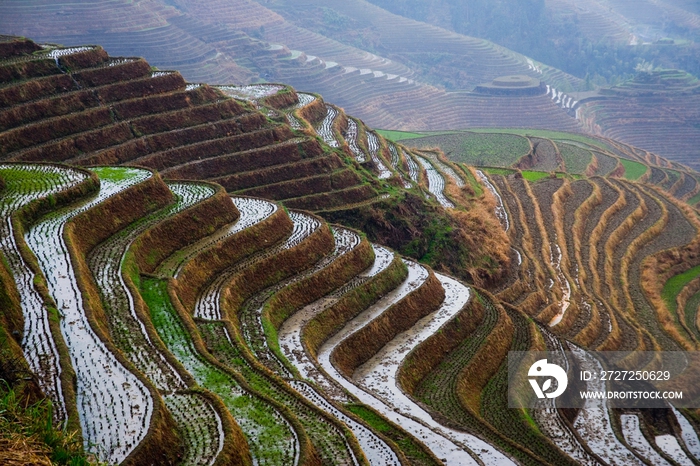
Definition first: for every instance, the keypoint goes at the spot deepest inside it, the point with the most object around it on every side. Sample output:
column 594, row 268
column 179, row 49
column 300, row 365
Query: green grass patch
column 532, row 175
column 267, row 435
column 675, row 284
column 477, row 149
column 32, row 425
column 542, row 133
column 633, row 170
column 393, row 135
column 691, row 311
column 670, row 291
column 695, row 199
column 410, row 448
column 114, row 173
column 330, row 444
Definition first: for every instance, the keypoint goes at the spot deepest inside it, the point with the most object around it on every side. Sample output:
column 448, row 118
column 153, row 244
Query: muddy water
column 690, row 437
column 634, row 437
column 289, row 334
column 38, row 344
column 593, row 422
column 436, row 183
column 378, row 375
column 563, row 282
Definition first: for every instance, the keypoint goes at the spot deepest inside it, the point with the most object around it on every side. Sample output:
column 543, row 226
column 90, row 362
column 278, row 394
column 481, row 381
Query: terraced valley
column 248, row 275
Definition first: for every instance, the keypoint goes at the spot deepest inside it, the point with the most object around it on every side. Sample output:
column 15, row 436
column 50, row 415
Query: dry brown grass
column 285, row 98
column 614, row 338
column 558, row 205
column 19, row 450
column 546, row 249
column 592, row 330
column 613, row 282
column 596, row 234
column 681, row 301
column 515, row 290
column 186, row 227
column 276, row 268
column 558, row 202
column 527, row 244
column 659, row 268
column 313, row 113
column 333, row 318
column 533, row 303
column 592, row 167
column 580, row 219
column 484, row 238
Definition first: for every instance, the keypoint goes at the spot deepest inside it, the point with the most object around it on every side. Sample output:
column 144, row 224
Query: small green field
column 576, row 159
column 633, row 170
column 399, row 135
column 410, row 448
column 542, row 133
column 694, row 200
column 675, row 284
column 478, row 149
column 531, row 175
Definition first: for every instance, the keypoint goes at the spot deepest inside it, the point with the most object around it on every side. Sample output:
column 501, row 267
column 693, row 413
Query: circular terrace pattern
column 518, row 84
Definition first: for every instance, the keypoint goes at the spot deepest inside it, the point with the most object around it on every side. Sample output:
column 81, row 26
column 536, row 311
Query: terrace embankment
column 332, row 319
column 363, row 344
column 204, row 267
column 420, row 229
column 174, row 233
column 301, row 293
column 13, row 367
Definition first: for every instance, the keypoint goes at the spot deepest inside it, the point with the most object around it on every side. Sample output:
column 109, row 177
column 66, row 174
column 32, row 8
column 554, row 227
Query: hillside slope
column 386, row 78
column 242, row 330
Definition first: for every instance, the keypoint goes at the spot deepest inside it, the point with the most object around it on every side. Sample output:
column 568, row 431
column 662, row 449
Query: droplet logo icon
column 542, row 368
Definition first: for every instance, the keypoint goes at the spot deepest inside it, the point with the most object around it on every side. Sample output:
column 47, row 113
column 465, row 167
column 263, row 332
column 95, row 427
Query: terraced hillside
column 540, row 153
column 387, row 79
column 645, row 110
column 82, row 107
column 253, row 322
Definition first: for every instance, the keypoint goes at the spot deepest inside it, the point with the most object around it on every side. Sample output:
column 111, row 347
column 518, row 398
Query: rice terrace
column 243, row 232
